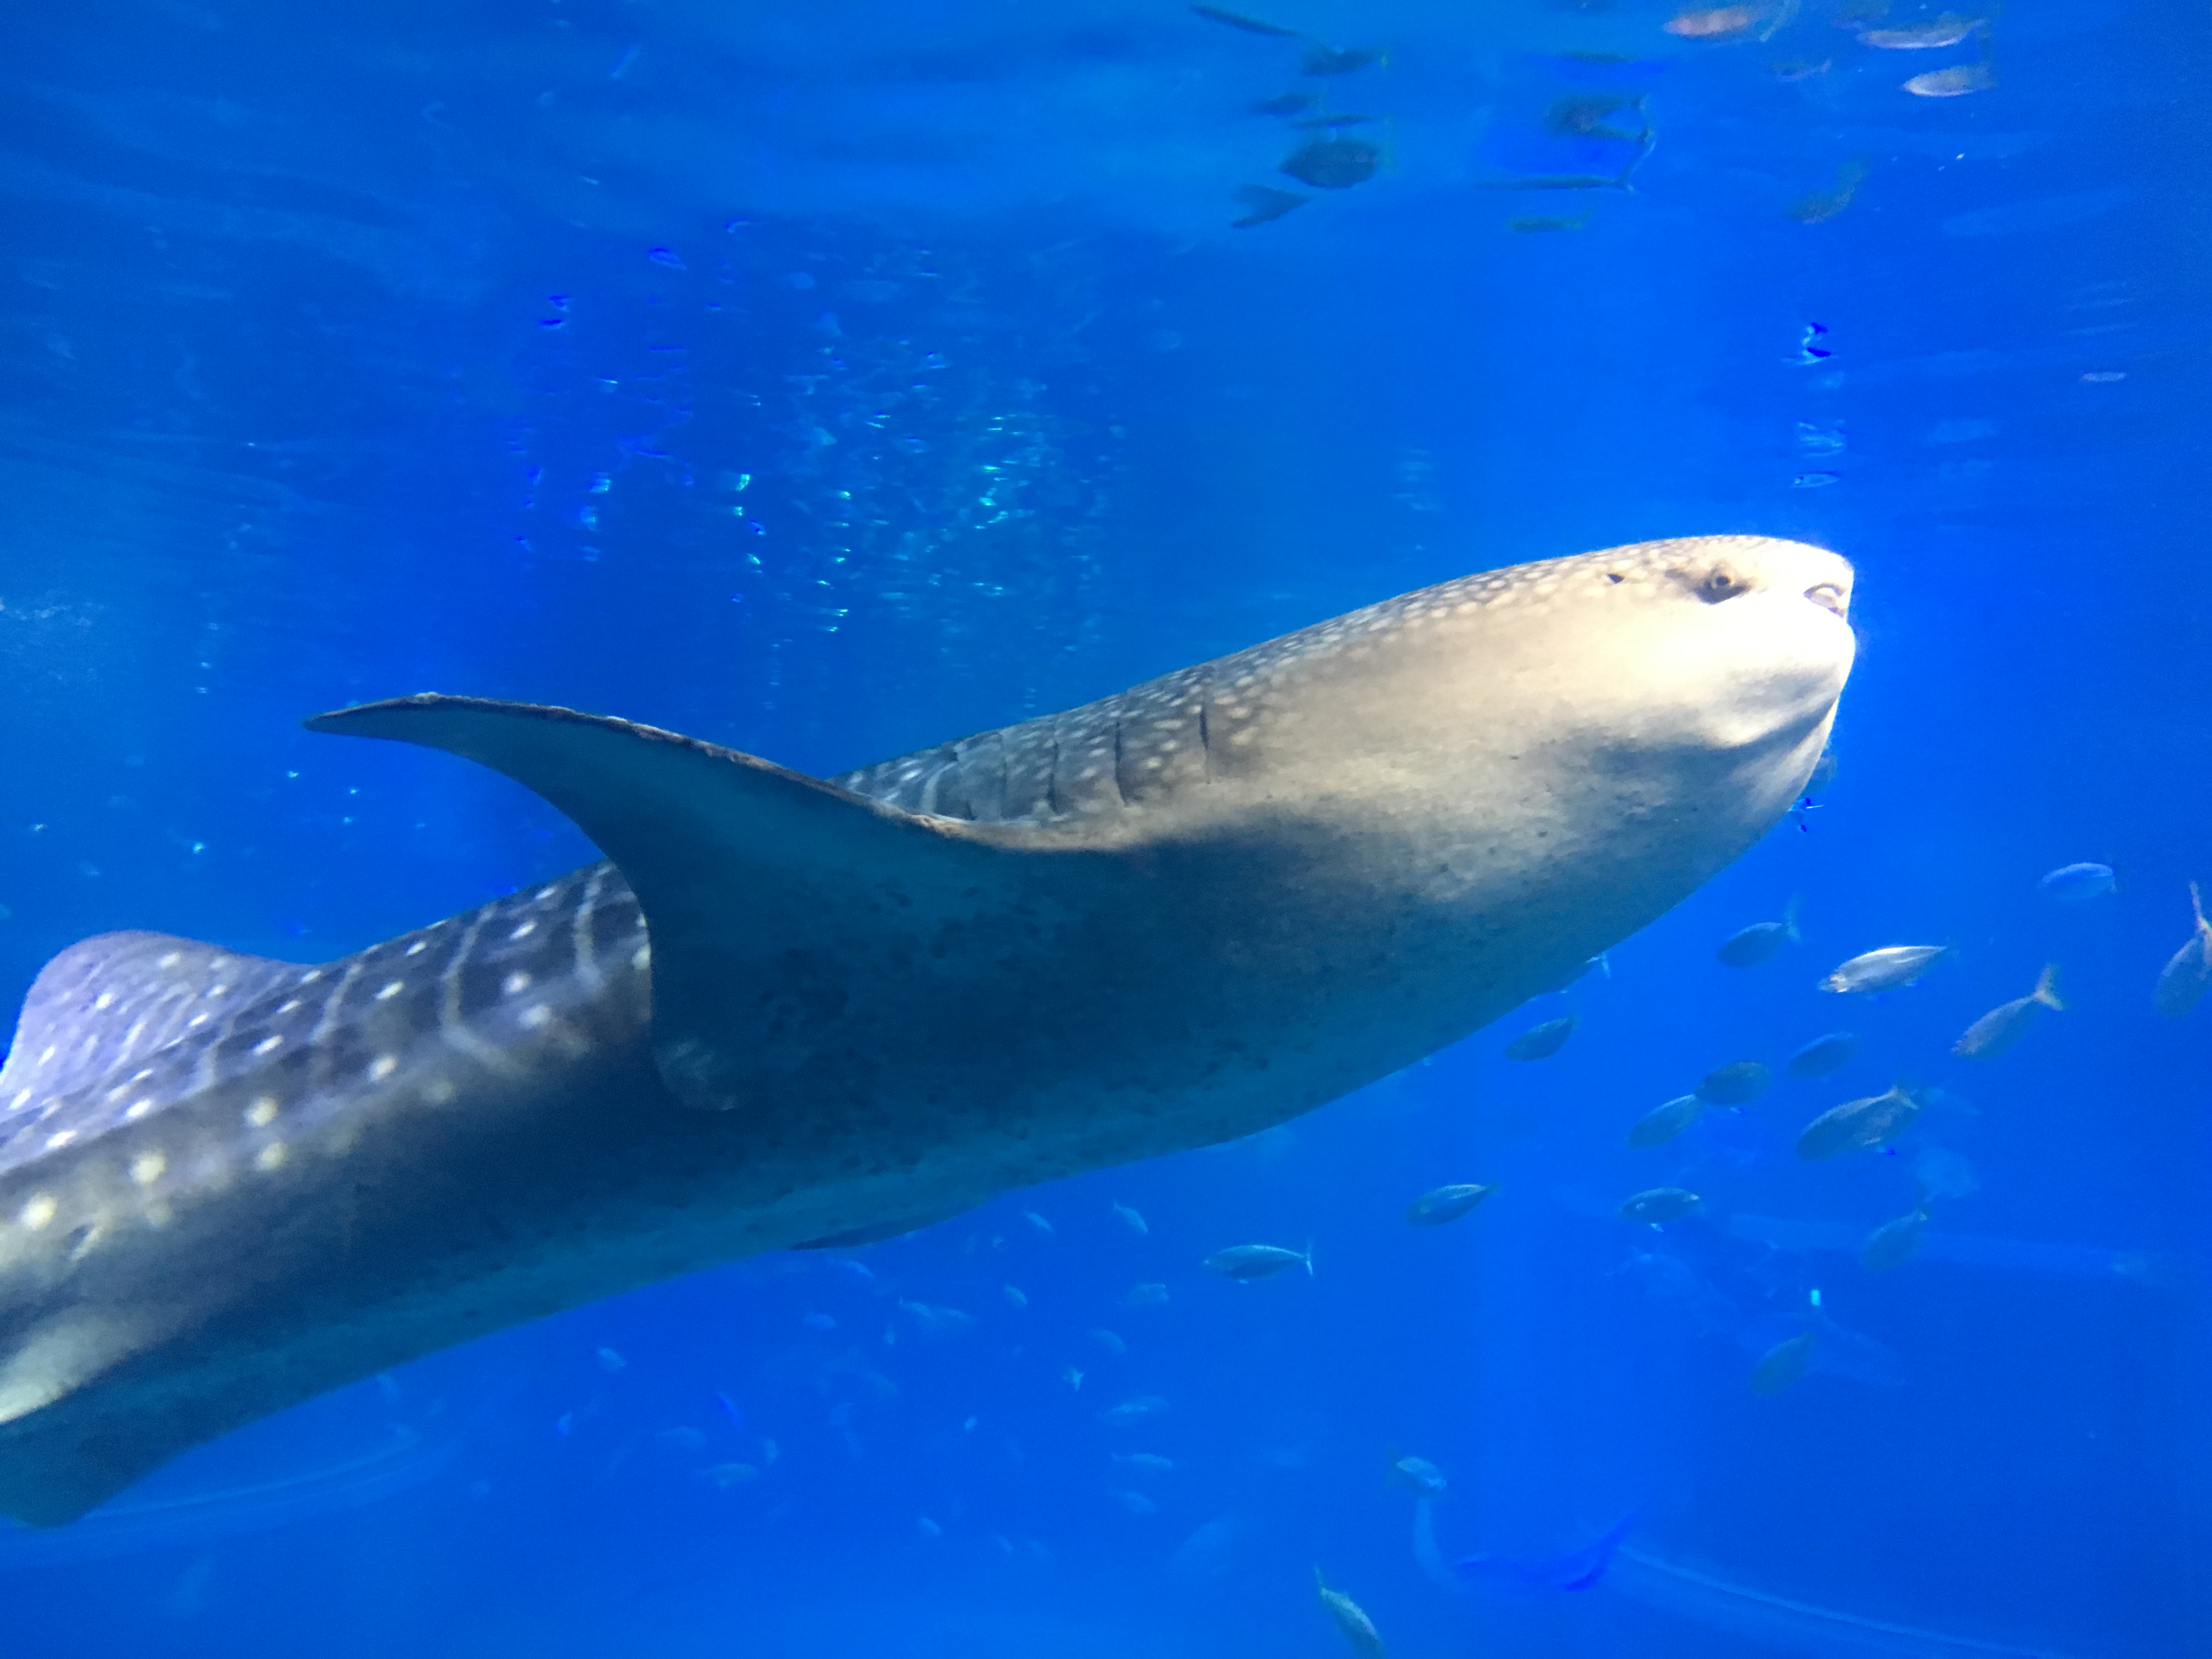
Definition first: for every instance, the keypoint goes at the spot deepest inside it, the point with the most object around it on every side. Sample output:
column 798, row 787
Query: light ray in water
column 1796, row 1627
column 402, row 1460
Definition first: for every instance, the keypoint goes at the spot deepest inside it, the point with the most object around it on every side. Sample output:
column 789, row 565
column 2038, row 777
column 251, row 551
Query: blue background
column 826, row 380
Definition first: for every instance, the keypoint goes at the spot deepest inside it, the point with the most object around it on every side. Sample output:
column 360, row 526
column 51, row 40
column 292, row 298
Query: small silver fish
column 1824, row 1056
column 1146, row 1462
column 1954, row 82
column 1136, row 1410
column 1748, row 947
column 1890, row 969
column 1246, row 1263
column 1541, row 1041
column 1737, row 1083
column 1037, row 1222
column 2003, row 1026
column 1334, row 163
column 1109, row 1340
column 1442, row 1204
column 2075, row 884
column 1136, row 1502
column 1662, row 1123
column 1263, row 205
column 2188, row 970
column 1948, row 30
column 1714, row 22
column 1423, row 1476
column 1130, row 1218
column 1659, row 1205
column 1358, row 1629
column 936, row 1321
column 1894, row 1242
column 1146, row 1295
column 1872, row 1122
column 1782, row 1364
column 1014, row 1297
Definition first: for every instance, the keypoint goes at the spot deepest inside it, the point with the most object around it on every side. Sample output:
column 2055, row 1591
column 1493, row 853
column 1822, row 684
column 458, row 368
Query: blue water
column 830, row 379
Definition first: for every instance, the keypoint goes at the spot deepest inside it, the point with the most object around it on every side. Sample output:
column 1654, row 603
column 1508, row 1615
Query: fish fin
column 1249, row 25
column 2196, row 904
column 878, row 1232
column 58, row 1469
column 1309, row 1259
column 778, row 906
column 110, row 1001
column 2046, row 989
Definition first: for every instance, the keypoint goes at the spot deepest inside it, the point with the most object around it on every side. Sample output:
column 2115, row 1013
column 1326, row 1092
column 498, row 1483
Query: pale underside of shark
column 791, row 1012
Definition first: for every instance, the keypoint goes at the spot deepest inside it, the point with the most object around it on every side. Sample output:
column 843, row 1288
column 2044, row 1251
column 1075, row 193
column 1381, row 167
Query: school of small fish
column 1872, row 1122
column 1333, row 157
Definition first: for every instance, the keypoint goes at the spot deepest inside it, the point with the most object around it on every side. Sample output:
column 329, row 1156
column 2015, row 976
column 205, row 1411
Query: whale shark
column 791, row 1011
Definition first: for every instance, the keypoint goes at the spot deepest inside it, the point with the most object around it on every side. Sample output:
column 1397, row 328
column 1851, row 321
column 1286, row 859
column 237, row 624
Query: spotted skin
column 489, row 994
column 1142, row 746
column 1172, row 916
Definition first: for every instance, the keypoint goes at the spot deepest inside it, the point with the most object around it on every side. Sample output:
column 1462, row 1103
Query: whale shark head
column 1726, row 643
column 1712, row 643
column 1694, row 676
column 1664, row 682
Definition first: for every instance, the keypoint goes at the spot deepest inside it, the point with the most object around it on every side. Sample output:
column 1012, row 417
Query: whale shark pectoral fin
column 761, row 886
column 60, row 1356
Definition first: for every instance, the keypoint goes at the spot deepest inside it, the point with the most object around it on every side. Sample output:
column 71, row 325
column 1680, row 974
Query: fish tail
column 2046, row 988
column 1308, row 1259
column 1321, row 1584
column 1789, row 920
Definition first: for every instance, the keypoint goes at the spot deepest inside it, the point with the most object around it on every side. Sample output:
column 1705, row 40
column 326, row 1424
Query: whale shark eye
column 1720, row 583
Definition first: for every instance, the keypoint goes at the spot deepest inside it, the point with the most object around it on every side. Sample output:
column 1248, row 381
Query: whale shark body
column 791, row 1012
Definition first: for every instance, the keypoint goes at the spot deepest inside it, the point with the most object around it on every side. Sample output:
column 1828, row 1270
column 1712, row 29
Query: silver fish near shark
column 791, row 1010
column 1892, row 968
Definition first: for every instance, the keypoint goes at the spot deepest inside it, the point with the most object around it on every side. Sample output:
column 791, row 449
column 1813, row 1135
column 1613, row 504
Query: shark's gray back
column 1153, row 742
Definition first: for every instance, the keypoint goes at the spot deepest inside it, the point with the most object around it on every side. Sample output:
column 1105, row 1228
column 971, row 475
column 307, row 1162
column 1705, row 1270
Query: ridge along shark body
column 791, row 1012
